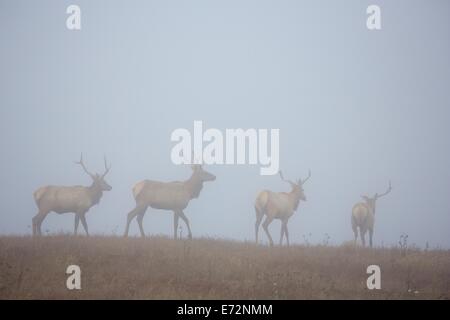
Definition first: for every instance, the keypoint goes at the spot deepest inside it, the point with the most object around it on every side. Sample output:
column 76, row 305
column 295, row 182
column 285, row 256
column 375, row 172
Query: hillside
column 161, row 268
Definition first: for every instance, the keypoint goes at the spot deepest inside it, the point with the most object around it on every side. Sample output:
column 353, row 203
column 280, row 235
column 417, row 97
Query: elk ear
column 365, row 197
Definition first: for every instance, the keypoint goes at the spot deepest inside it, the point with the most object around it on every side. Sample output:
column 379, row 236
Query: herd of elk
column 176, row 195
column 75, row 199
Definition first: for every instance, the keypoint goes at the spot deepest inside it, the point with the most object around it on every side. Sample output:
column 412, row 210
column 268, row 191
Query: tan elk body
column 363, row 216
column 174, row 196
column 65, row 199
column 278, row 205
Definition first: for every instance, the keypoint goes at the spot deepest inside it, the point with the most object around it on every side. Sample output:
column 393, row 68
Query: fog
column 356, row 107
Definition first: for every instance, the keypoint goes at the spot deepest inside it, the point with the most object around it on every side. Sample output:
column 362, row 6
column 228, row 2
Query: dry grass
column 161, row 268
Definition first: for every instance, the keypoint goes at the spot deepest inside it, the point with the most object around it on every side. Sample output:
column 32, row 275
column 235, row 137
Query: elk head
column 202, row 174
column 98, row 180
column 198, row 177
column 198, row 171
column 372, row 201
column 297, row 187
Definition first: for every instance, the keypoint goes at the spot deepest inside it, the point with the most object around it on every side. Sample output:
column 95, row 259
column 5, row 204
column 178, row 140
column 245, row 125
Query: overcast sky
column 357, row 107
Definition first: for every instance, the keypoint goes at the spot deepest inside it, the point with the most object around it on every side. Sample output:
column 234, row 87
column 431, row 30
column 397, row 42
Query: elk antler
column 306, row 179
column 282, row 178
column 81, row 163
column 387, row 191
column 106, row 168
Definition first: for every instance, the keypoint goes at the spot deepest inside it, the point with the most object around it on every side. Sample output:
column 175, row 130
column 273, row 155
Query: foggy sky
column 357, row 107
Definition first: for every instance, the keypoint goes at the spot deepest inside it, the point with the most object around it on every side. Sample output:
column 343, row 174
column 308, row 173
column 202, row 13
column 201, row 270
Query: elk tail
column 359, row 215
column 137, row 189
column 261, row 202
column 38, row 194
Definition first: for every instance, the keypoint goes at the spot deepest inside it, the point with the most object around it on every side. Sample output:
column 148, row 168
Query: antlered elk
column 363, row 216
column 76, row 199
column 173, row 196
column 278, row 205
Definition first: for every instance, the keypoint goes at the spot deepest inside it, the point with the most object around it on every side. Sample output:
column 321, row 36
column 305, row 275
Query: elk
column 363, row 216
column 173, row 196
column 65, row 199
column 278, row 205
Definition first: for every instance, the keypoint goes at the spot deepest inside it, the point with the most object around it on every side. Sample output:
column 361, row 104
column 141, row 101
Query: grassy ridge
column 161, row 268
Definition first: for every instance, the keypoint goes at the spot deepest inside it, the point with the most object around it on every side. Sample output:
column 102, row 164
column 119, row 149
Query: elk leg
column 266, row 223
column 355, row 230
column 286, row 232
column 281, row 233
column 77, row 222
column 131, row 215
column 139, row 219
column 186, row 221
column 259, row 217
column 34, row 223
column 37, row 222
column 83, row 222
column 362, row 236
column 176, row 217
column 40, row 224
column 370, row 236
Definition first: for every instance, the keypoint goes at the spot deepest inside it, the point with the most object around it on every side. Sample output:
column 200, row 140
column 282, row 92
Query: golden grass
column 161, row 268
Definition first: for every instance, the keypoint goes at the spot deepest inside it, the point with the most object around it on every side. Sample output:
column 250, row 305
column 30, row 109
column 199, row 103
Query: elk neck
column 194, row 185
column 294, row 196
column 95, row 193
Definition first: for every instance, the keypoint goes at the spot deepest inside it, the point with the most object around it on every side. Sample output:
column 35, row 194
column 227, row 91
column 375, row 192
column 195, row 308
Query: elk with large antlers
column 173, row 196
column 363, row 216
column 278, row 205
column 76, row 199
